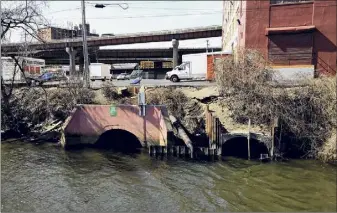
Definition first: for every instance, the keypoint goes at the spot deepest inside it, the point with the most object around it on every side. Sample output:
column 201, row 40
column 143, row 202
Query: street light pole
column 86, row 74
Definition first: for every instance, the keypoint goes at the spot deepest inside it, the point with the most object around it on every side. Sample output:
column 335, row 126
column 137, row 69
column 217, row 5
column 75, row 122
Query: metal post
column 85, row 48
column 275, row 124
column 207, row 45
column 272, row 142
column 248, row 139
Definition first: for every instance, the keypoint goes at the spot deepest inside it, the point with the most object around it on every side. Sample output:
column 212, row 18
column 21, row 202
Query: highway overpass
column 156, row 36
column 118, row 55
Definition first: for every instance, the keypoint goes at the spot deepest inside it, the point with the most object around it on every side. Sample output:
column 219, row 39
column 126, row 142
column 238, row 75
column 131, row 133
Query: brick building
column 288, row 32
column 55, row 33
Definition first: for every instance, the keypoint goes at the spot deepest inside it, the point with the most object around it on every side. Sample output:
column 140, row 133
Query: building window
column 288, row 1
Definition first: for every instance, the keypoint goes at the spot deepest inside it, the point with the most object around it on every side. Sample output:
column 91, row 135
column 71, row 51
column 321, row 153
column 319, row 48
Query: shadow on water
column 115, row 140
column 119, row 140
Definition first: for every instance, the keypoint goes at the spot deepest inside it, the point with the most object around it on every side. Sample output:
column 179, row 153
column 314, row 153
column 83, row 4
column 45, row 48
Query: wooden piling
column 159, row 150
column 164, row 151
column 154, row 150
column 248, row 139
column 211, row 152
column 170, row 150
column 182, row 151
column 175, row 151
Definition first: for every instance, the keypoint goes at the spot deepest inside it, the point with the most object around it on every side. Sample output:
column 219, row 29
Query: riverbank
column 38, row 111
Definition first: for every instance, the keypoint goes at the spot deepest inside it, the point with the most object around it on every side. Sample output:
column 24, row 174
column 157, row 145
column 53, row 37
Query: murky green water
column 47, row 178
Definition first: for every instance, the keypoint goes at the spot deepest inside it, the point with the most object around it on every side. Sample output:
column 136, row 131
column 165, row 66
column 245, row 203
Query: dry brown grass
column 31, row 107
column 307, row 114
column 110, row 91
column 173, row 99
column 188, row 111
column 328, row 152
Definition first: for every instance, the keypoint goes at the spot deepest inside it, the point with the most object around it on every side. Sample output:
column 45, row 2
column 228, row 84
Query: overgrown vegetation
column 307, row 114
column 33, row 107
column 110, row 92
column 189, row 112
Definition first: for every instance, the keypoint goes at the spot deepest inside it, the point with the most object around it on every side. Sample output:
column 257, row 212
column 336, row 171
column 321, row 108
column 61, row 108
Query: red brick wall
column 291, row 15
column 259, row 15
column 210, row 65
column 324, row 18
column 257, row 20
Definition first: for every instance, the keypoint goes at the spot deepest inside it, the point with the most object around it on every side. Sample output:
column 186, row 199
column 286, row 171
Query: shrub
column 110, row 92
column 307, row 114
column 173, row 99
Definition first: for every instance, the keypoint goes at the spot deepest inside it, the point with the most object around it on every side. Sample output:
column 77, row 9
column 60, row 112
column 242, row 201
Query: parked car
column 47, row 76
column 123, row 76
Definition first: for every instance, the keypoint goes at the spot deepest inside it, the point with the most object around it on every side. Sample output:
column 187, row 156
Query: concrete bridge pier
column 72, row 63
column 175, row 46
column 81, row 64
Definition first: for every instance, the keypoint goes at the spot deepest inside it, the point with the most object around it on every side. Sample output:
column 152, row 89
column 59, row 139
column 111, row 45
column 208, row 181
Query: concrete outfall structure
column 88, row 122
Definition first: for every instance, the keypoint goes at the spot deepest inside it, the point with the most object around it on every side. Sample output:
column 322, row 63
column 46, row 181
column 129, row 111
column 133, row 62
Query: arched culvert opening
column 119, row 140
column 238, row 147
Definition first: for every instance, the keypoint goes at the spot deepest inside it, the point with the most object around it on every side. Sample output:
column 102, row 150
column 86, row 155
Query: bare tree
column 22, row 15
column 25, row 16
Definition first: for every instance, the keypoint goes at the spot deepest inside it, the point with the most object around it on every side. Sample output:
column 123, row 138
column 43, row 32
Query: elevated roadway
column 155, row 36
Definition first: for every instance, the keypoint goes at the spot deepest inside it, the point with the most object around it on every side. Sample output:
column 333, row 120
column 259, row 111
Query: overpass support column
column 72, row 56
column 175, row 45
column 81, row 65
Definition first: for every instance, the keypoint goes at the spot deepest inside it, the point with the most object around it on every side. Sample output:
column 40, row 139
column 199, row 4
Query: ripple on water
column 45, row 178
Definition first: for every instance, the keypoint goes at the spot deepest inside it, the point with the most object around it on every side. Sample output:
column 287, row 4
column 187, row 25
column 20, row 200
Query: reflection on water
column 47, row 178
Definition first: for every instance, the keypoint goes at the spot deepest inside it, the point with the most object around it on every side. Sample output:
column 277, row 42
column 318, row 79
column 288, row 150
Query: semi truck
column 99, row 71
column 198, row 66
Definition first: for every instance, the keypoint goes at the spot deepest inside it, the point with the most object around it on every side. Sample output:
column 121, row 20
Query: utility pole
column 85, row 48
column 0, row 39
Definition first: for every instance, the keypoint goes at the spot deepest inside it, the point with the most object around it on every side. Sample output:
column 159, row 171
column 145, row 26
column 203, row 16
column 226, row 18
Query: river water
column 47, row 178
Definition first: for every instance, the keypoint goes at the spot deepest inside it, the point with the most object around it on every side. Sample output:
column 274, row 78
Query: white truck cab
column 199, row 66
column 181, row 72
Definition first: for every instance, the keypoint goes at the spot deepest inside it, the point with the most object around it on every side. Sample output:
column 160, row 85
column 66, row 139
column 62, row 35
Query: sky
column 141, row 16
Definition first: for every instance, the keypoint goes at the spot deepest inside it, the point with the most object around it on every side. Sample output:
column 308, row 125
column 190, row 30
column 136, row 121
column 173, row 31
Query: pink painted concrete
column 93, row 120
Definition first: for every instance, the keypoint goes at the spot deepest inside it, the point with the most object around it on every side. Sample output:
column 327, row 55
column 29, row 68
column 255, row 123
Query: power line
column 58, row 11
column 134, row 3
column 177, row 9
column 185, row 9
column 151, row 16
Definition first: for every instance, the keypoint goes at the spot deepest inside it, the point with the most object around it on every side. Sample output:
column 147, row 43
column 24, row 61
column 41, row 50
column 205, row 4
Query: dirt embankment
column 210, row 96
column 31, row 111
